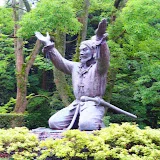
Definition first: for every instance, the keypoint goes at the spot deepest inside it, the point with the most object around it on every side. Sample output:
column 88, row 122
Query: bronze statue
column 89, row 78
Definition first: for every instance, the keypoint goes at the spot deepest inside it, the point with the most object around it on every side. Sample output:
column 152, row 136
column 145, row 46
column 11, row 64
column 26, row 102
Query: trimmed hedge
column 11, row 120
column 30, row 120
column 116, row 142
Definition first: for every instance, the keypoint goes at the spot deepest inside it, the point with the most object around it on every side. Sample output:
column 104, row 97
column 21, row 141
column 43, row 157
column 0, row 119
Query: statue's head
column 87, row 51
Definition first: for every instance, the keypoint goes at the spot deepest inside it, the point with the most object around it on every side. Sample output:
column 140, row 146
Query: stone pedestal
column 43, row 133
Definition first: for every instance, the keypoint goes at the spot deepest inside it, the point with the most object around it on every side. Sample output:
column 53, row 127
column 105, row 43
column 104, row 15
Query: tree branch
column 20, row 8
column 37, row 96
column 71, row 41
column 156, row 57
column 116, row 3
column 27, row 5
column 33, row 56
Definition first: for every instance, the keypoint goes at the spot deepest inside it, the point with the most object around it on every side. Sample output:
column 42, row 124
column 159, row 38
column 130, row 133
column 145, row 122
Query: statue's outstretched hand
column 45, row 40
column 101, row 30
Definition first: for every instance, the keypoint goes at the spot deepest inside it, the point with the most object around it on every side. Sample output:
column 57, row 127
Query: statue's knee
column 82, row 125
column 52, row 122
column 87, row 125
column 91, row 124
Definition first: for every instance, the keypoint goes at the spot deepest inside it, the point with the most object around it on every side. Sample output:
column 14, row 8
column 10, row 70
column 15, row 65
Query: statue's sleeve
column 104, row 58
column 59, row 62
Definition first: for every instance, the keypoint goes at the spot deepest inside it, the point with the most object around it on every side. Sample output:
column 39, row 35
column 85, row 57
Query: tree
column 133, row 79
column 133, row 32
column 59, row 77
column 22, row 68
column 34, row 21
column 82, row 15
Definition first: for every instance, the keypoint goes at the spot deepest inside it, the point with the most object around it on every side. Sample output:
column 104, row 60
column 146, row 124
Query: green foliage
column 38, row 112
column 6, row 21
column 56, row 103
column 43, row 63
column 98, row 10
column 134, row 41
column 106, row 120
column 7, row 81
column 48, row 16
column 141, row 29
column 19, row 143
column 121, row 142
column 9, row 120
column 102, row 6
column 116, row 53
column 115, row 142
column 8, row 107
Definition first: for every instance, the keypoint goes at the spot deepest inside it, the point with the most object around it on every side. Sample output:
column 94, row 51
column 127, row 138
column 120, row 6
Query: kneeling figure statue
column 88, row 79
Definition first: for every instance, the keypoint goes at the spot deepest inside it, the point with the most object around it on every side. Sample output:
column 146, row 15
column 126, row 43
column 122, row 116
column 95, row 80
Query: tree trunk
column 59, row 77
column 111, row 81
column 22, row 74
column 21, row 100
column 28, row 8
column 116, row 3
column 84, row 20
column 22, row 69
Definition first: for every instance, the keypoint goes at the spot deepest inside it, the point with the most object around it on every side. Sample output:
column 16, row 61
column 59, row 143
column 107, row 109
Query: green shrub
column 19, row 143
column 116, row 142
column 8, row 107
column 37, row 115
column 38, row 112
column 11, row 120
column 106, row 120
column 120, row 118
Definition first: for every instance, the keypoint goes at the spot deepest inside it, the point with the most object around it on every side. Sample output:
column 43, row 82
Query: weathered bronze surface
column 88, row 79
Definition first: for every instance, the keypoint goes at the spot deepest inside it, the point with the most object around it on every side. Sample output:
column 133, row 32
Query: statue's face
column 85, row 53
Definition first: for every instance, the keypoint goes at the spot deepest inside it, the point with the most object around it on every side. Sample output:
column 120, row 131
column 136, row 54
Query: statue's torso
column 88, row 82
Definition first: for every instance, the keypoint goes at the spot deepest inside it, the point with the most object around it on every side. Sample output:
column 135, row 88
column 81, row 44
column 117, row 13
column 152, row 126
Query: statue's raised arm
column 101, row 30
column 102, row 50
column 52, row 53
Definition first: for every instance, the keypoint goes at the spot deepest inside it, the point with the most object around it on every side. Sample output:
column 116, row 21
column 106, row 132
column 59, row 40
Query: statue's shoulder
column 77, row 64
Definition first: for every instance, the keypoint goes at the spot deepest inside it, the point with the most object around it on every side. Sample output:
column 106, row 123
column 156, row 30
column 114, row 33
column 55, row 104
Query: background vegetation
column 29, row 84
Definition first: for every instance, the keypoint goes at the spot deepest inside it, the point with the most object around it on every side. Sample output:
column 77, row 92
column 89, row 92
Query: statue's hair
column 89, row 43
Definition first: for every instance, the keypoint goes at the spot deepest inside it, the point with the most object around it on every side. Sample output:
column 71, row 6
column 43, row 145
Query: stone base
column 43, row 133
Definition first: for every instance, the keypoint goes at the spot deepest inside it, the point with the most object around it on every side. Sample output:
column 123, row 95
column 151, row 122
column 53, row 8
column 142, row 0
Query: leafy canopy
column 6, row 21
column 48, row 16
